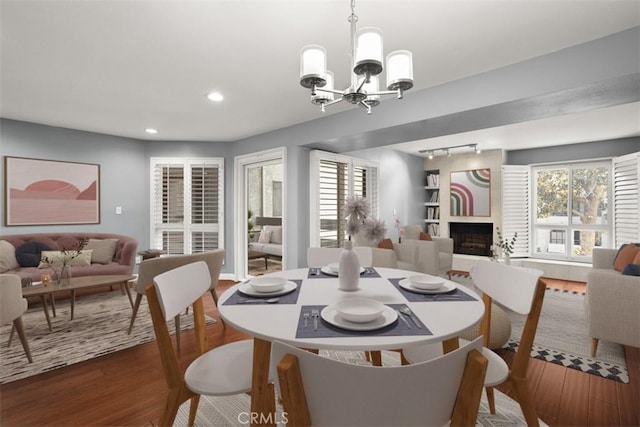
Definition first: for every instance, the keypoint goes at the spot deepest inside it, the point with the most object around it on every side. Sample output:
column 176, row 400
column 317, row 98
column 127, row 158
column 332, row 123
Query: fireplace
column 471, row 238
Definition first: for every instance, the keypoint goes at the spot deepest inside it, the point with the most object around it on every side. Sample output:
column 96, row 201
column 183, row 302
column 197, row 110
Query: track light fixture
column 447, row 150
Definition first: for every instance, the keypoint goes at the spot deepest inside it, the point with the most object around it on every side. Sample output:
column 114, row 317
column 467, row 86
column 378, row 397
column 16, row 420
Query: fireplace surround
column 471, row 238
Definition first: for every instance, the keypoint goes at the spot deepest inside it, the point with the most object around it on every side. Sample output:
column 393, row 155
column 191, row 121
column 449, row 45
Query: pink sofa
column 122, row 263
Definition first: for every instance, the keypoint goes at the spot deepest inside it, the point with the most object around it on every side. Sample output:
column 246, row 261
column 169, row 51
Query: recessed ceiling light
column 151, row 130
column 215, row 96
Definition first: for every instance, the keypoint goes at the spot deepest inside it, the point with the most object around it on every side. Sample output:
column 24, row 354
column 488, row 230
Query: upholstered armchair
column 613, row 302
column 433, row 256
column 12, row 307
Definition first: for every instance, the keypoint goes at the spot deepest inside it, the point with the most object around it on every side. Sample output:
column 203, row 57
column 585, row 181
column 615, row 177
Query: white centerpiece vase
column 349, row 268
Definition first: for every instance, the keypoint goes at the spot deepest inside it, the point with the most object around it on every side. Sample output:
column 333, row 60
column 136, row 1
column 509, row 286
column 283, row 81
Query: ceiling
column 118, row 67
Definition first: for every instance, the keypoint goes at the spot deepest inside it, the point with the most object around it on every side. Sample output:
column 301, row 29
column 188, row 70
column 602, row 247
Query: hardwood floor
column 127, row 388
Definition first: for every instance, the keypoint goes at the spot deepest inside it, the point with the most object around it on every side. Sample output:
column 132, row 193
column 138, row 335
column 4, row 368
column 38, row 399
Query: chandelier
column 366, row 63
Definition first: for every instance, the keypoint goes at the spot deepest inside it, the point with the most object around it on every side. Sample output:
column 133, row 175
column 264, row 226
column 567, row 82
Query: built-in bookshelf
column 432, row 203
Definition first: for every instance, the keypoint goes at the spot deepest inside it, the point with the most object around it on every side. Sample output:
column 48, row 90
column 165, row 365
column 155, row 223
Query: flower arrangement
column 507, row 245
column 357, row 210
column 60, row 264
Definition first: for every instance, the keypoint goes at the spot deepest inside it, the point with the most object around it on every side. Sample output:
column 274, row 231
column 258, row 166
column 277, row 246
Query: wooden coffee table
column 74, row 284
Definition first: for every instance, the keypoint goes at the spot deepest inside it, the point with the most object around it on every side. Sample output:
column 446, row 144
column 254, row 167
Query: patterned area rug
column 562, row 337
column 99, row 327
column 230, row 411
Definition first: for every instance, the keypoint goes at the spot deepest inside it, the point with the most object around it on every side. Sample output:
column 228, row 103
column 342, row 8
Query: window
column 187, row 213
column 571, row 210
column 333, row 178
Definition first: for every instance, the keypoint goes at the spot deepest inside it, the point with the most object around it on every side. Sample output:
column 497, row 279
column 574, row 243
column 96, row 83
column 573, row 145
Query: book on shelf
column 433, row 180
column 435, row 196
column 434, row 229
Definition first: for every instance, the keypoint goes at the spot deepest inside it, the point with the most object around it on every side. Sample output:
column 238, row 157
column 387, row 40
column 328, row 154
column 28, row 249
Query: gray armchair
column 613, row 302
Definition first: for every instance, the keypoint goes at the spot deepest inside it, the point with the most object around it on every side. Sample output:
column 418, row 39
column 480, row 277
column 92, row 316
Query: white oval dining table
column 279, row 321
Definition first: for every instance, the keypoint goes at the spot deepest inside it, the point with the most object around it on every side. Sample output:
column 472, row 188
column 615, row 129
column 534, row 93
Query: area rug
column 231, row 411
column 562, row 338
column 99, row 327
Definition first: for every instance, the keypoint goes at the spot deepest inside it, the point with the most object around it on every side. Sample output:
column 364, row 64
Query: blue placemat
column 327, row 330
column 317, row 273
column 455, row 295
column 290, row 298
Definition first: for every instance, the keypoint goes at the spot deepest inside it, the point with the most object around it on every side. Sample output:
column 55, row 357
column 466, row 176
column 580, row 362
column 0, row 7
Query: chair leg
column 215, row 300
column 136, row 306
column 13, row 331
column 174, row 400
column 23, row 337
column 376, row 357
column 594, row 346
column 521, row 389
column 193, row 409
column 491, row 400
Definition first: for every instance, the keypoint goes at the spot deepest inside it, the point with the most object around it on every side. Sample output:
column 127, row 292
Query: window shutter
column 333, row 185
column 186, row 208
column 626, row 198
column 515, row 207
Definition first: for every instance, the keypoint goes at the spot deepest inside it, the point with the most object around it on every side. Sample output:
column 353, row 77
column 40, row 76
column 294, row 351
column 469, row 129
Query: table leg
column 263, row 399
column 53, row 303
column 73, row 301
column 125, row 286
column 43, row 301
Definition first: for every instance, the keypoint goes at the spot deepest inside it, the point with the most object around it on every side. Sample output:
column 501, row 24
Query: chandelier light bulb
column 323, row 97
column 368, row 51
column 313, row 66
column 400, row 70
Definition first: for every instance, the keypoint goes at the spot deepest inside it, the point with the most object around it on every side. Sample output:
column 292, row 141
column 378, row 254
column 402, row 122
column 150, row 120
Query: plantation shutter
column 333, row 186
column 626, row 198
column 186, row 205
column 516, row 202
column 332, row 179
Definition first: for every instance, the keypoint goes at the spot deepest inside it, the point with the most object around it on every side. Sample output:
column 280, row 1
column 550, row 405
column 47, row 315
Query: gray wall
column 123, row 177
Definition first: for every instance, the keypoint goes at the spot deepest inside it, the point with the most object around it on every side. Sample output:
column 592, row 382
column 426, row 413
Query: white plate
column 330, row 272
column 426, row 281
column 446, row 287
column 329, row 314
column 246, row 289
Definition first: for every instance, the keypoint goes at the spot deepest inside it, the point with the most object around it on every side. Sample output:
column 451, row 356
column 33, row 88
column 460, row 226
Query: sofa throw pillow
column 103, row 250
column 385, row 244
column 265, row 236
column 425, row 236
column 8, row 259
column 626, row 254
column 276, row 233
column 28, row 253
column 631, row 270
column 54, row 258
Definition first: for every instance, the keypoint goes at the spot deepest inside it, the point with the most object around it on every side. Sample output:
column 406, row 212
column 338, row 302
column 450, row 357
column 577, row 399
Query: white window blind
column 626, row 198
column 515, row 207
column 187, row 215
column 332, row 179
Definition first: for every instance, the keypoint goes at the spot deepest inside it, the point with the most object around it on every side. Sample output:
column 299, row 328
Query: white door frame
column 241, row 165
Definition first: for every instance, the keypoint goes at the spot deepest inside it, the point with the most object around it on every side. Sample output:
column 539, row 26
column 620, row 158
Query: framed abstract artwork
column 49, row 192
column 471, row 193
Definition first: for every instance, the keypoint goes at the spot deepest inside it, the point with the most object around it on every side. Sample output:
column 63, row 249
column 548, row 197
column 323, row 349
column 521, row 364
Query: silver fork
column 315, row 314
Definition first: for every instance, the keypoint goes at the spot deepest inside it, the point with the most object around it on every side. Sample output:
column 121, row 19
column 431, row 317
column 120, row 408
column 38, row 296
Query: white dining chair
column 224, row 370
column 320, row 257
column 150, row 268
column 317, row 390
column 518, row 289
column 12, row 307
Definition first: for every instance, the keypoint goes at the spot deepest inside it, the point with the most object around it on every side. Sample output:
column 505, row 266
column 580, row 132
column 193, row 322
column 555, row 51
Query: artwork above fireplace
column 471, row 238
